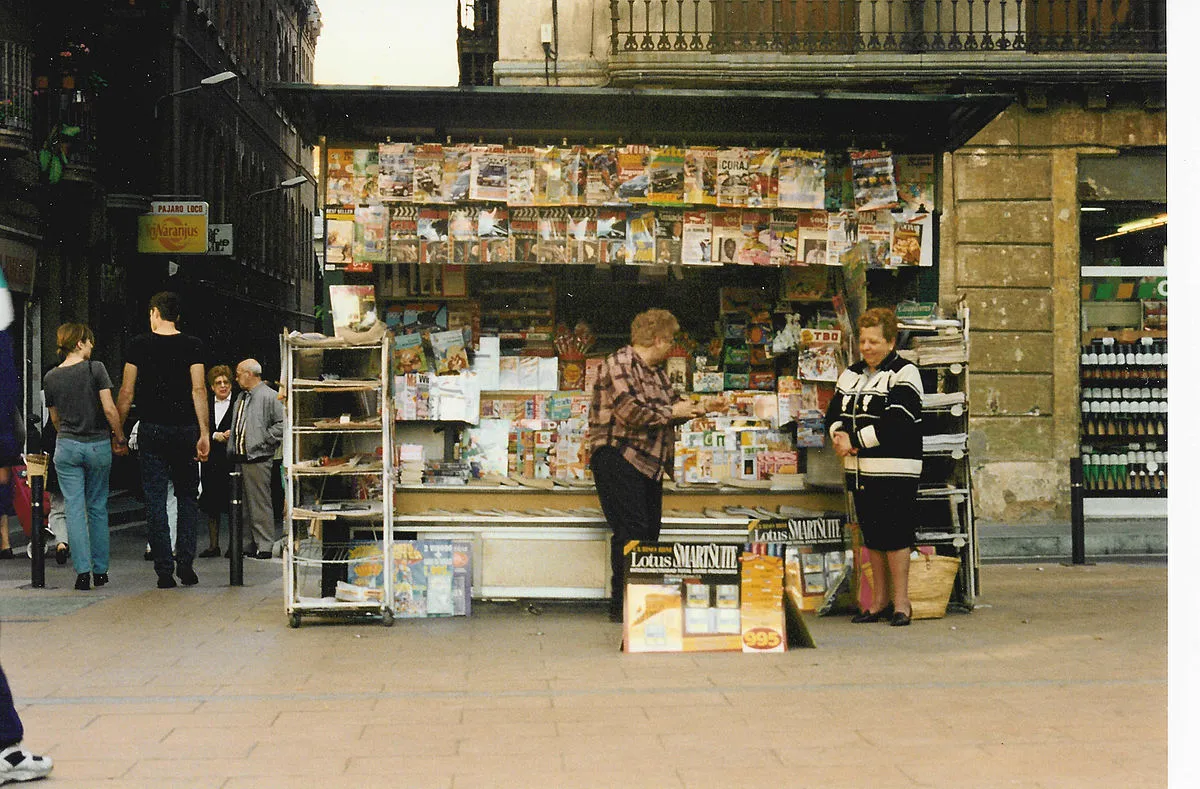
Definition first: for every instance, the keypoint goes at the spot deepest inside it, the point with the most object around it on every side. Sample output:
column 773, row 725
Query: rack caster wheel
column 389, row 618
column 533, row 609
column 294, row 620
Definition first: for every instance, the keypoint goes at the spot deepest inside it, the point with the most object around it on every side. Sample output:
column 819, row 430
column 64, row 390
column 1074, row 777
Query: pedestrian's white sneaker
column 18, row 764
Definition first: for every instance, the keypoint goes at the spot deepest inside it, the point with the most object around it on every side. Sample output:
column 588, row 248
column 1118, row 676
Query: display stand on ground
column 338, row 462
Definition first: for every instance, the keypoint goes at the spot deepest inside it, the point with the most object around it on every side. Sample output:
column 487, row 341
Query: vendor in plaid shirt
column 631, row 434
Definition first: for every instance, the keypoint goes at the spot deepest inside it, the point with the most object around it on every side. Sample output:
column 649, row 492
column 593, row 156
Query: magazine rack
column 942, row 351
column 338, row 464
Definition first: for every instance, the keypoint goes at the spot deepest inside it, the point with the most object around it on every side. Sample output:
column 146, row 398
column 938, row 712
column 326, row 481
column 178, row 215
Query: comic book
column 489, row 174
column 727, row 236
column 449, row 351
column 428, row 173
column 820, row 355
column 548, row 184
column 433, row 234
column 700, row 176
column 874, row 180
column 755, row 249
column 785, row 238
column 408, row 353
column 641, row 233
column 668, row 236
column 697, row 239
column 521, row 175
column 493, row 228
column 395, row 171
column 402, row 234
column 583, row 244
column 523, row 228
column 806, row 283
column 353, row 307
column 456, row 173
column 610, row 232
column 916, row 182
column 552, row 236
column 665, row 171
column 370, row 233
column 574, row 174
column 601, row 176
column 801, row 179
column 812, row 230
column 339, row 237
column 733, row 177
column 763, row 184
column 633, row 182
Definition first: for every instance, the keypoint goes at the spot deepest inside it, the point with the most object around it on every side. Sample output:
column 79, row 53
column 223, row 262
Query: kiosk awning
column 918, row 123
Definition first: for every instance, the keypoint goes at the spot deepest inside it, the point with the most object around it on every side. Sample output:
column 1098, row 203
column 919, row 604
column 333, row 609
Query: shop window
column 813, row 25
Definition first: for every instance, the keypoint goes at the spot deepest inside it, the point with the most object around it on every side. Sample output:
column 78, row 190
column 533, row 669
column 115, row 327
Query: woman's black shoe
column 6, row 553
column 83, row 581
column 901, row 619
column 878, row 616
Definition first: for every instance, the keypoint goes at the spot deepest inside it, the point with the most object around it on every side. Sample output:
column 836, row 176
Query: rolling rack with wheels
column 338, row 468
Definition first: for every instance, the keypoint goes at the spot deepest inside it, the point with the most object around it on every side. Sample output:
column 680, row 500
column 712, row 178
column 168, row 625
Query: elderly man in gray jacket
column 256, row 433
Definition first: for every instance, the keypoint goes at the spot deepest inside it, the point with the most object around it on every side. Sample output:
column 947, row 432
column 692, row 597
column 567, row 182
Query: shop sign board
column 220, row 239
column 174, row 227
column 702, row 597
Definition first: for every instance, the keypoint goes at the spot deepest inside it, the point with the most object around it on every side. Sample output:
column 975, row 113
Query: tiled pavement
column 1057, row 680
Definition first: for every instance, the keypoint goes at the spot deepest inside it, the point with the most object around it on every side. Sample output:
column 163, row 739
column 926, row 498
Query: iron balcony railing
column 899, row 26
column 16, row 88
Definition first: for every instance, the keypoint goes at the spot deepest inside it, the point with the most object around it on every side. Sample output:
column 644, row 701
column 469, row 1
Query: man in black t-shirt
column 166, row 369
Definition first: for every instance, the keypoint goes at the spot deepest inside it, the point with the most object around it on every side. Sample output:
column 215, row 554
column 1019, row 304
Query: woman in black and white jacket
column 874, row 421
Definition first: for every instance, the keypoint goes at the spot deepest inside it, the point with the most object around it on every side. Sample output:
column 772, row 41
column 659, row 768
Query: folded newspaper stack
column 412, row 463
column 942, row 399
column 945, row 442
column 941, row 348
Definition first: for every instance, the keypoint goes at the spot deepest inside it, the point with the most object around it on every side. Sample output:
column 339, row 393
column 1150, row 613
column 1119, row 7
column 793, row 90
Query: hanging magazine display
column 874, row 180
column 396, row 171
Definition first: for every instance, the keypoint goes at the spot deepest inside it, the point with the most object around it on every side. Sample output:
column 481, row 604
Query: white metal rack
column 337, row 446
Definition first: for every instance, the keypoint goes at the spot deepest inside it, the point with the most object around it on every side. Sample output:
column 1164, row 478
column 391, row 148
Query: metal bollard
column 235, row 525
column 1078, row 552
column 37, row 520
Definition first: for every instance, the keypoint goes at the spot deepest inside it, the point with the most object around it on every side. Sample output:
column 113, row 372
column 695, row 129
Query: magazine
column 633, row 182
column 493, row 227
column 668, row 236
column 548, row 184
column 574, row 175
column 755, row 249
column 665, row 172
column 700, row 176
column 339, row 178
column 733, row 177
column 402, row 234
column 843, row 234
column 813, row 237
column 601, row 176
column 428, row 162
column 370, row 233
column 524, row 230
column 801, row 179
column 839, row 183
column 874, row 180
column 916, row 182
column 911, row 244
column 456, row 173
column 395, row 171
column 339, row 237
column 763, row 186
column 610, row 232
column 409, row 353
column 806, row 283
column 819, row 358
column 727, row 236
column 875, row 237
column 489, row 174
column 697, row 239
column 433, row 234
column 641, row 236
column 583, row 244
column 353, row 307
column 785, row 238
column 552, row 236
column 521, row 176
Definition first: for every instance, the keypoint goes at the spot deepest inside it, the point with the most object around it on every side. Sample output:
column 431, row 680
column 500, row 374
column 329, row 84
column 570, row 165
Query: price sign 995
column 762, row 638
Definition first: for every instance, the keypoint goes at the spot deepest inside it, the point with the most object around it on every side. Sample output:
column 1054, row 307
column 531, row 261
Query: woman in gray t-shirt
column 80, row 400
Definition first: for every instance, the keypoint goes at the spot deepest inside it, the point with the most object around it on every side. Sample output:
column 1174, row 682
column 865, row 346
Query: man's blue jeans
column 168, row 453
column 83, row 469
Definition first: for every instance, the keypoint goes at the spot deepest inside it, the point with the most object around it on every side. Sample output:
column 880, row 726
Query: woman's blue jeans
column 83, row 469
